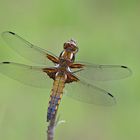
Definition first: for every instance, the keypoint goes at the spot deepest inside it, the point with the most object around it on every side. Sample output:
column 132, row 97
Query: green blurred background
column 107, row 32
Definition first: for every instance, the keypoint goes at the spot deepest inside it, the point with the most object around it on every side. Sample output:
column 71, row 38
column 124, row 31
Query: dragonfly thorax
column 63, row 65
column 70, row 49
column 67, row 56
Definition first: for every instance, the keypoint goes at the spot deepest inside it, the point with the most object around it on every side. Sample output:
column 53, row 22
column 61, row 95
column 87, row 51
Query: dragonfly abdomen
column 55, row 97
column 53, row 106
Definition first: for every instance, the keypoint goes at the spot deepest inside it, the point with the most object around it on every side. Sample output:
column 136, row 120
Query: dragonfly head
column 71, row 46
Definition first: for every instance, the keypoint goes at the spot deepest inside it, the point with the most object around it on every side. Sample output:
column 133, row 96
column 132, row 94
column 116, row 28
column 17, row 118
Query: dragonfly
column 62, row 71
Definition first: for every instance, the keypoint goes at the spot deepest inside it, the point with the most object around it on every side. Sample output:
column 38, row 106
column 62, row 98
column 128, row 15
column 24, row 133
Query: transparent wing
column 26, row 49
column 88, row 93
column 29, row 75
column 92, row 72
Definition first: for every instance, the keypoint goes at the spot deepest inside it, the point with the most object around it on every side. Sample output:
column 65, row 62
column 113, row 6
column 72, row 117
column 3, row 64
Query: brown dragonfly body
column 61, row 75
column 76, row 77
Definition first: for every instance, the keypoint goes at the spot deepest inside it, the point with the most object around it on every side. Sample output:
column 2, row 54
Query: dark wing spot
column 124, row 67
column 6, row 62
column 110, row 95
column 12, row 33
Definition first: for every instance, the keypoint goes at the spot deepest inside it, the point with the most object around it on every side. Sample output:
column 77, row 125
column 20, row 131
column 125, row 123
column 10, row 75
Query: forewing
column 29, row 75
column 88, row 93
column 92, row 72
column 26, row 49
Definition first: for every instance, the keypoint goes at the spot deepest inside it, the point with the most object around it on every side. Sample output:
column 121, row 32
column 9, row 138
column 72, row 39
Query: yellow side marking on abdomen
column 55, row 97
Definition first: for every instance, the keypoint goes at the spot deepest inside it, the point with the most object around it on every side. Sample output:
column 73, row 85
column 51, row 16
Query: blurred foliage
column 107, row 32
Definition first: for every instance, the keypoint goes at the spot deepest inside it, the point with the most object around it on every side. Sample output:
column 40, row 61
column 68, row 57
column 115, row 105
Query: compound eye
column 65, row 45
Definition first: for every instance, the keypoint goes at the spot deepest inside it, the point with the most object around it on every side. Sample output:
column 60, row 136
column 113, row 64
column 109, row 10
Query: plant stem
column 51, row 130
